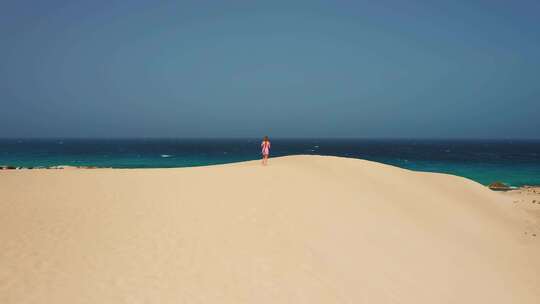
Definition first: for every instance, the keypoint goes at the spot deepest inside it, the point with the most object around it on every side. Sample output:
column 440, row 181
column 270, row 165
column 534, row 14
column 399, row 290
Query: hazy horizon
column 286, row 69
column 282, row 138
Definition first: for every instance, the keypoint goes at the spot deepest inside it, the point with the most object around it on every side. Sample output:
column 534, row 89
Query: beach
column 304, row 229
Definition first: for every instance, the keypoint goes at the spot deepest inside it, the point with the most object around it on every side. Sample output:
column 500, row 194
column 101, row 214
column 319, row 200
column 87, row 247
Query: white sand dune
column 305, row 229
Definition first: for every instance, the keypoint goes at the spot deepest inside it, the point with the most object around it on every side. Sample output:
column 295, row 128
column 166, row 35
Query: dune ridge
column 305, row 229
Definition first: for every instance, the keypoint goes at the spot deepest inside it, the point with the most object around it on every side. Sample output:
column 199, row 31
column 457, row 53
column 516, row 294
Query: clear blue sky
column 280, row 68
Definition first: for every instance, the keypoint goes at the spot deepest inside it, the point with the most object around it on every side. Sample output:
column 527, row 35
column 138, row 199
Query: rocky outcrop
column 499, row 186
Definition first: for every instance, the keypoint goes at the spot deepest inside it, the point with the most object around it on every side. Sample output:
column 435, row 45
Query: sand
column 528, row 199
column 305, row 229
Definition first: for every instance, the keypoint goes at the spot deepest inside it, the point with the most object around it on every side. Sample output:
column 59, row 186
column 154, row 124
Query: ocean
column 515, row 162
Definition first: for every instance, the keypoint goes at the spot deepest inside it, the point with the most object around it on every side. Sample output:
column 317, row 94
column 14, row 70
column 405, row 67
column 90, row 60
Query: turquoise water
column 516, row 163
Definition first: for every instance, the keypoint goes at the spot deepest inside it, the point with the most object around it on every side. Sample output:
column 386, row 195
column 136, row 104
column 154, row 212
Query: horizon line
column 275, row 137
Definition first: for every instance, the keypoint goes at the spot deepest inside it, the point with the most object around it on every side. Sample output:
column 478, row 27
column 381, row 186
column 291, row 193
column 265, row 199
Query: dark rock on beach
column 499, row 186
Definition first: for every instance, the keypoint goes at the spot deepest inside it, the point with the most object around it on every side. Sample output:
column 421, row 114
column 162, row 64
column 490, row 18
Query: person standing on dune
column 265, row 150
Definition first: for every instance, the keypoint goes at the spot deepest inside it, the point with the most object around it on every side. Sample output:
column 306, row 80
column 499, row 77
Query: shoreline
column 515, row 163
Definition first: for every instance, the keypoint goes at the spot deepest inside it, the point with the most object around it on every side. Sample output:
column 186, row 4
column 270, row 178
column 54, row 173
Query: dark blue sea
column 516, row 162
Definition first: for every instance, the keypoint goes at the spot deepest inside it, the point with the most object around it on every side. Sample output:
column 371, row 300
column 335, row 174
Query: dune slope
column 305, row 229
